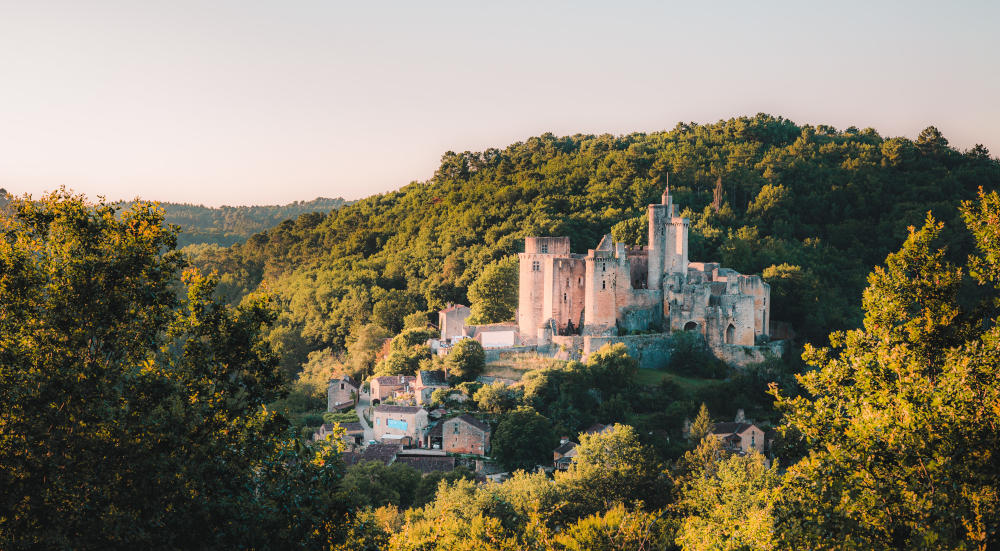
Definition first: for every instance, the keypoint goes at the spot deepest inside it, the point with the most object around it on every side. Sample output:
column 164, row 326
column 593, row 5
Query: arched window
column 730, row 334
column 691, row 326
column 603, row 284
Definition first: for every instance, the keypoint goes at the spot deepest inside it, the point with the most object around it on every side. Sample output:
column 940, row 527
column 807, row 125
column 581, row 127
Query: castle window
column 456, row 428
column 543, row 248
column 536, row 266
column 564, row 297
column 603, row 284
column 579, row 281
column 602, row 266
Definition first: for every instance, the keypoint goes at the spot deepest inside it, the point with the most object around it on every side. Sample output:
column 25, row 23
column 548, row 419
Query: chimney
column 563, row 440
column 740, row 416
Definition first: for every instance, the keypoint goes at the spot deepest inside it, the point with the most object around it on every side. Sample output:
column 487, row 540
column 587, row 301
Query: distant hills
column 225, row 225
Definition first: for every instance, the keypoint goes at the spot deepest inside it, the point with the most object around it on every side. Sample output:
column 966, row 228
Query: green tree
column 466, row 360
column 702, row 425
column 729, row 507
column 375, row 484
column 366, row 342
column 117, row 388
column 899, row 417
column 493, row 295
column 612, row 467
column 523, row 439
column 617, row 529
column 496, row 398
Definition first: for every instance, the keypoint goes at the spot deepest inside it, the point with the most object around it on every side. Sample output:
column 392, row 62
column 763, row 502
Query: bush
column 692, row 358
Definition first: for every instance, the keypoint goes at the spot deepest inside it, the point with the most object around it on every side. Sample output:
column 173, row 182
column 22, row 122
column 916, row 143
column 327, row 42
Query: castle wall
column 761, row 292
column 564, row 291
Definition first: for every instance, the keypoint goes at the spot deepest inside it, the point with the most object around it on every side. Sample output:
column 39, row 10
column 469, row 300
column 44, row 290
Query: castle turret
column 668, row 241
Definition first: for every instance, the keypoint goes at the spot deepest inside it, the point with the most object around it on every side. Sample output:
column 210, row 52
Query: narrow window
column 603, row 284
column 579, row 281
column 564, row 297
column 456, row 428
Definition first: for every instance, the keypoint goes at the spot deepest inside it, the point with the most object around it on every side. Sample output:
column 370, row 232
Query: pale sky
column 250, row 102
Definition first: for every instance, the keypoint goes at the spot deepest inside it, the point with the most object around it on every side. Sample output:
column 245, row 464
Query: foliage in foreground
column 132, row 400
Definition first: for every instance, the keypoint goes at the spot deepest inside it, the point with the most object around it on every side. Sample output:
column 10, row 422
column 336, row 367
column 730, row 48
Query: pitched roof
column 394, row 379
column 345, row 378
column 454, row 307
column 432, row 378
column 383, row 408
column 437, row 431
column 385, row 453
column 562, row 449
column 466, row 418
column 353, row 427
column 731, row 428
column 596, row 428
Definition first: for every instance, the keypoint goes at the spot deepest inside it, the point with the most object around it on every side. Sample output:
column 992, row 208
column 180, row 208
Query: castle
column 616, row 289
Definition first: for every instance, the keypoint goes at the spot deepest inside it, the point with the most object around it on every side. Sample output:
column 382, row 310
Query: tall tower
column 668, row 240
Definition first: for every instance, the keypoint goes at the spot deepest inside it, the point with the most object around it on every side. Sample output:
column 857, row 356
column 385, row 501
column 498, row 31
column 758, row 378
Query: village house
column 563, row 456
column 404, row 424
column 353, row 433
column 451, row 320
column 426, row 383
column 341, row 392
column 740, row 437
column 465, row 434
column 387, row 386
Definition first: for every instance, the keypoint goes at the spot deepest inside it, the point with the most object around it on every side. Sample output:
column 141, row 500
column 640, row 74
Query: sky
column 250, row 102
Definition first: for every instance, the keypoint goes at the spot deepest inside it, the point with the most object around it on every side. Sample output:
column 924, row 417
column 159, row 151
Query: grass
column 514, row 365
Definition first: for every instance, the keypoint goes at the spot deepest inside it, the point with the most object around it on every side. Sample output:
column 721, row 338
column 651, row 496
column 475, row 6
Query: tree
column 375, row 484
column 702, row 425
column 523, row 439
column 116, row 388
column 366, row 342
column 493, row 295
column 729, row 507
column 899, row 417
column 466, row 360
column 496, row 398
column 617, row 529
column 612, row 467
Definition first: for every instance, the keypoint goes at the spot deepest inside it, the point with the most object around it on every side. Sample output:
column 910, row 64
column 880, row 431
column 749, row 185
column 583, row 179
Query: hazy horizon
column 244, row 103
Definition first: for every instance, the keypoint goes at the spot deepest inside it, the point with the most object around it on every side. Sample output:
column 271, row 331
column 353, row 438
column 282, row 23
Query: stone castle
column 618, row 290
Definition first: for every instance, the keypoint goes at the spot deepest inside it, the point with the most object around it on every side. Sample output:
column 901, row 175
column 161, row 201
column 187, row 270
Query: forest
column 148, row 390
column 811, row 208
column 226, row 225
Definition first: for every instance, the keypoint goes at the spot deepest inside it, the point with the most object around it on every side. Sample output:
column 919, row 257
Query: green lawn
column 514, row 366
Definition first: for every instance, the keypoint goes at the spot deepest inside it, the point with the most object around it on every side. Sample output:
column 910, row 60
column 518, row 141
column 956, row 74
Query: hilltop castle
column 616, row 289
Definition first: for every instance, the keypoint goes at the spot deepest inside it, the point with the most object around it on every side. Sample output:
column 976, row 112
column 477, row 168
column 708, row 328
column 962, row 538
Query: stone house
column 563, row 456
column 387, row 386
column 404, row 424
column 465, row 434
column 426, row 383
column 451, row 320
column 340, row 392
column 740, row 437
column 615, row 288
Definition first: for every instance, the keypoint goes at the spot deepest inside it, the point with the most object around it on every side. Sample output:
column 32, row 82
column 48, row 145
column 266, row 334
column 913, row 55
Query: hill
column 225, row 225
column 811, row 208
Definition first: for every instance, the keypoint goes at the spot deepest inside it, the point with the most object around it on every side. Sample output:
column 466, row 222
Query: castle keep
column 615, row 289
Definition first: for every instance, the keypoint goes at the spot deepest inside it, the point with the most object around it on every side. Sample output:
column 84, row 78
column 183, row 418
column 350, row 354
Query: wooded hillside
column 811, row 208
